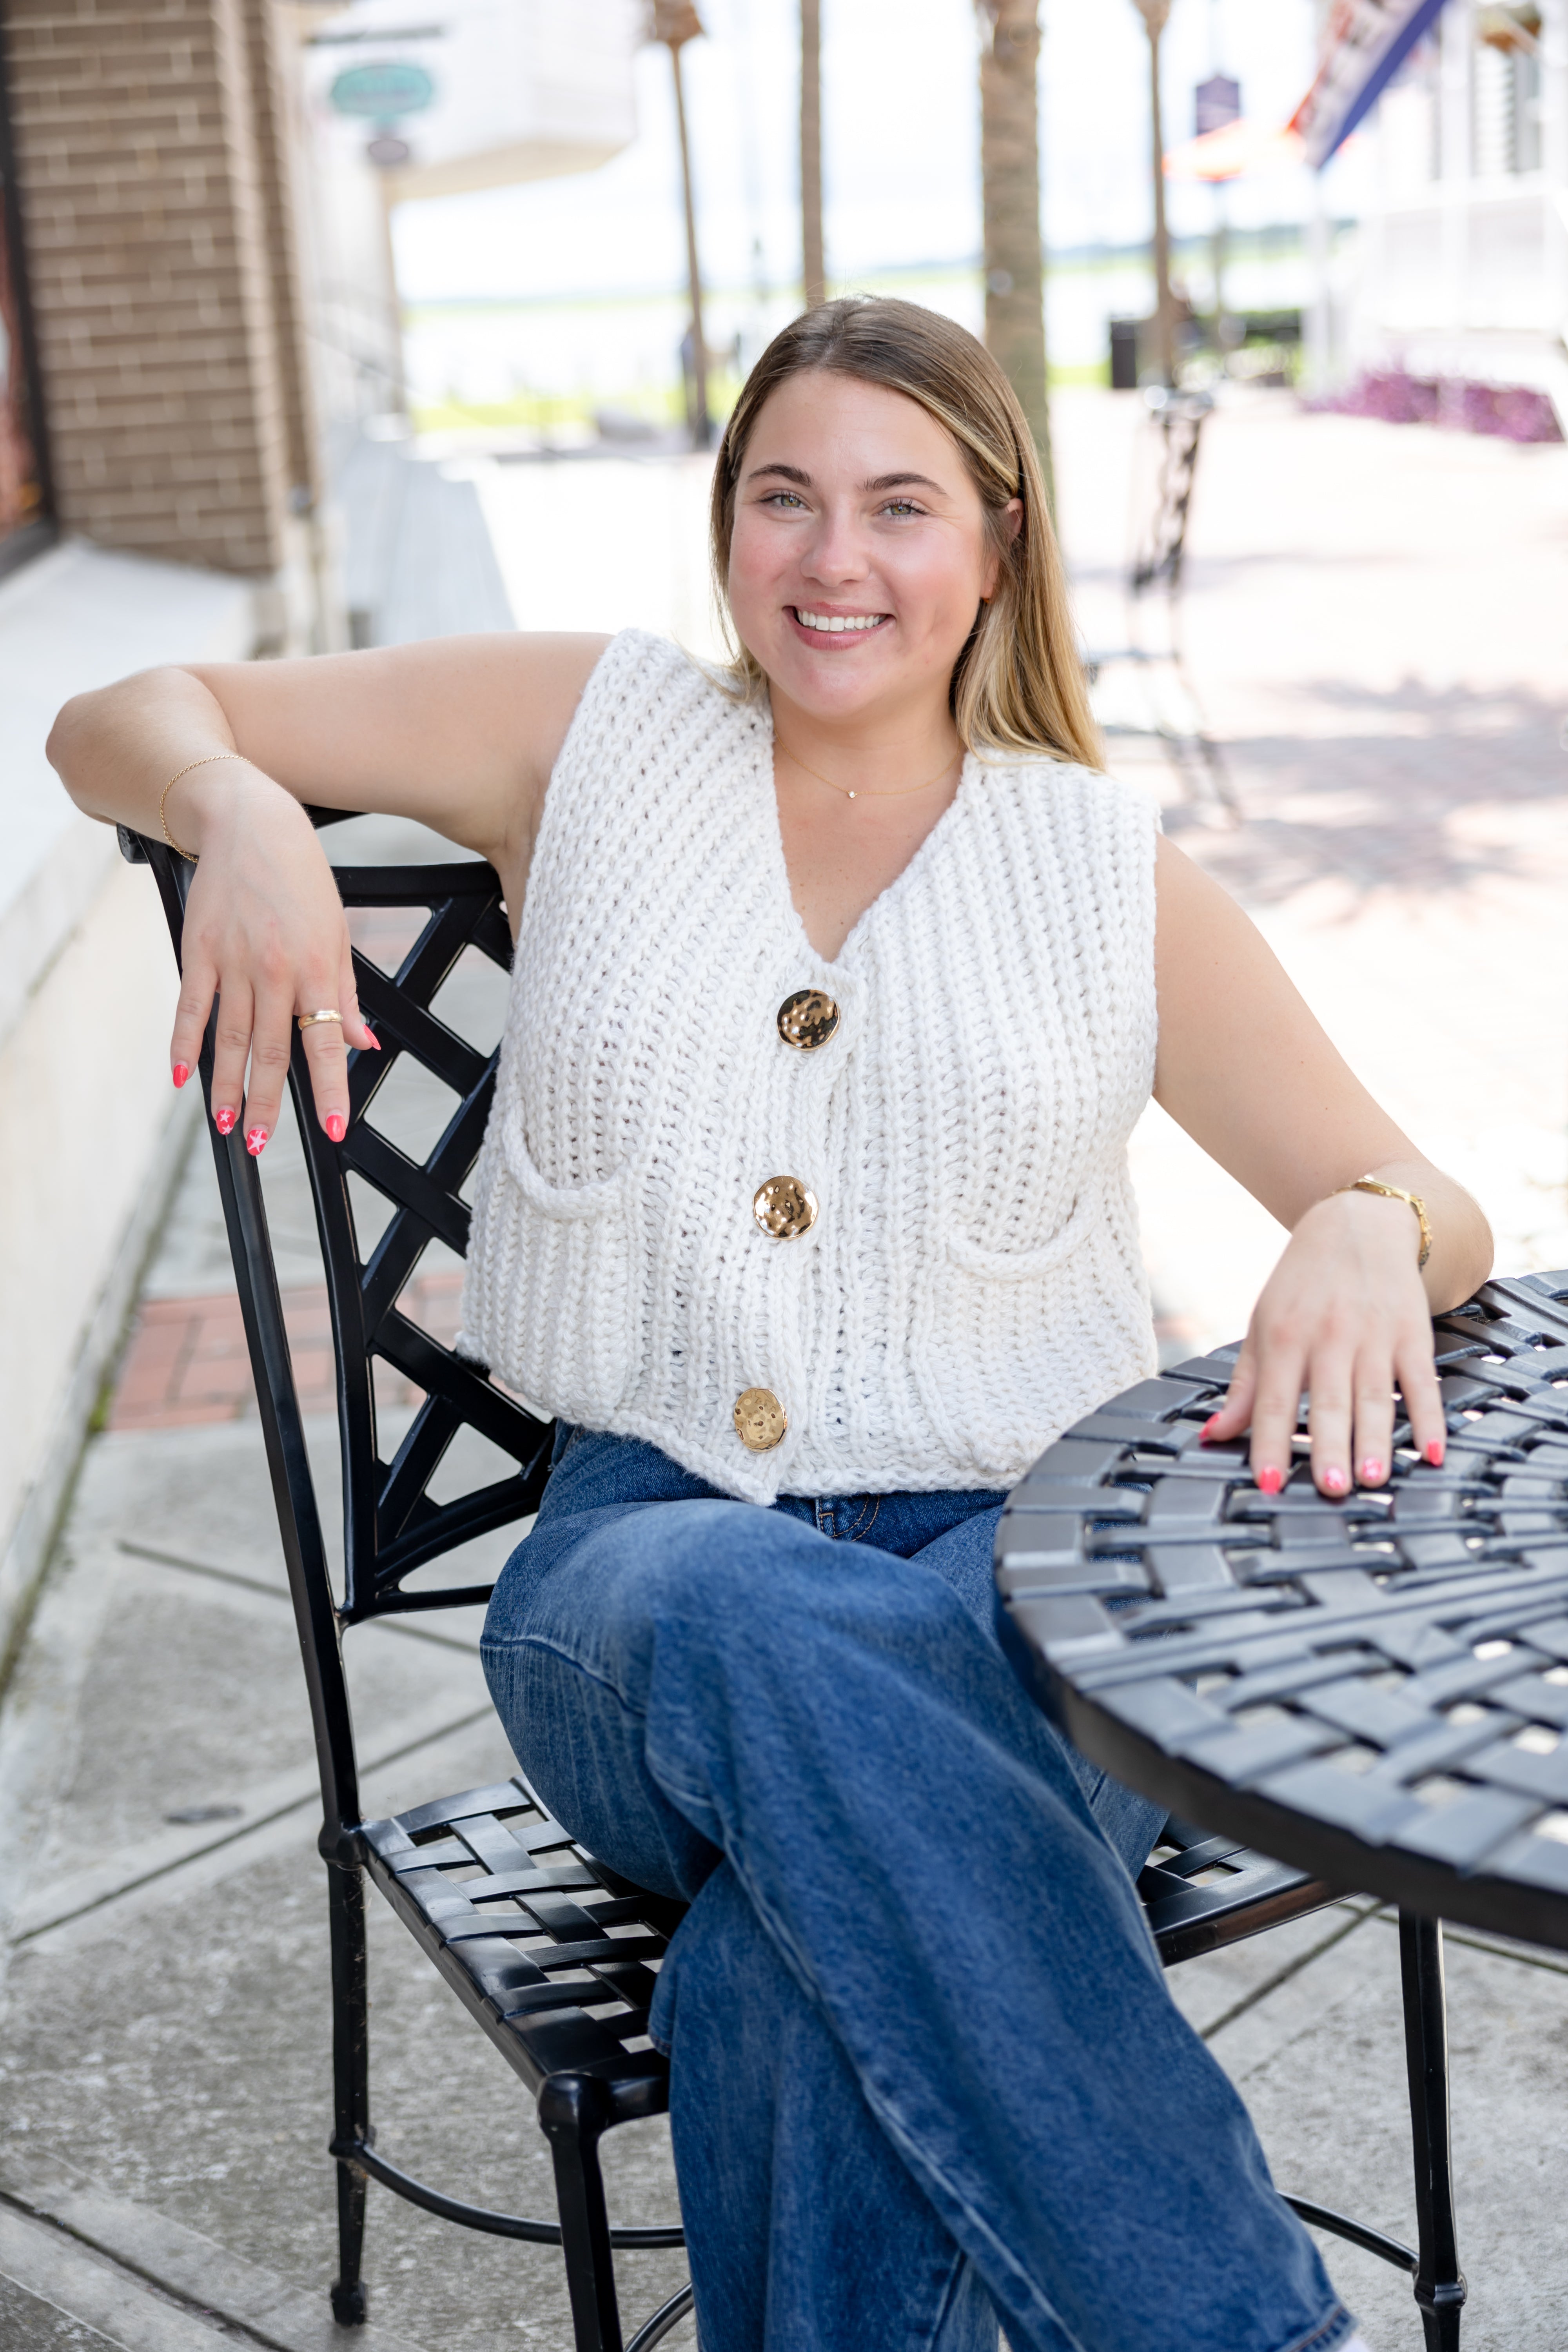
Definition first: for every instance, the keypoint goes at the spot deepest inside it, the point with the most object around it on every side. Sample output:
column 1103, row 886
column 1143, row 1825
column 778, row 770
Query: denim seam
column 1318, row 2338
column 867, row 1522
column 579, row 1666
column 910, row 2146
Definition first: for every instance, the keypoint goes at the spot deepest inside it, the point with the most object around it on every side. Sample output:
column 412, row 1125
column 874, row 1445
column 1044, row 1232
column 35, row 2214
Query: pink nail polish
column 179, row 1072
column 1269, row 1480
column 1435, row 1450
column 224, row 1119
column 1370, row 1471
column 373, row 1040
column 256, row 1141
column 337, row 1125
column 1333, row 1481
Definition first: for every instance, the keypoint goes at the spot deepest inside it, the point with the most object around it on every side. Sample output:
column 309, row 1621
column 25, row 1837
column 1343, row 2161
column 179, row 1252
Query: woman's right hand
column 266, row 933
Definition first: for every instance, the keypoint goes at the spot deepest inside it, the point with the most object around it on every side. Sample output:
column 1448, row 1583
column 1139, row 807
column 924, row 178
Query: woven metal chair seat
column 1389, row 1670
column 556, row 1956
column 552, row 1951
column 1201, row 1892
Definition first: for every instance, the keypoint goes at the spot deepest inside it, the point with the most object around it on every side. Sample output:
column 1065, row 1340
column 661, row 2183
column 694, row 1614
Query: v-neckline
column 907, row 873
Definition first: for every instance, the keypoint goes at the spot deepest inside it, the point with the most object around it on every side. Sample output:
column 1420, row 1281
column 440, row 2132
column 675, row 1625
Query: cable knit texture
column 972, row 1283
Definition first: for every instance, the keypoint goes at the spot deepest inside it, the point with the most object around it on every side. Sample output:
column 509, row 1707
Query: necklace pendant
column 851, row 795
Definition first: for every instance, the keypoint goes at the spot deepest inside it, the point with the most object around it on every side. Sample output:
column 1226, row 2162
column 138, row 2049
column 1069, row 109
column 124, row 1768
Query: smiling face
column 859, row 553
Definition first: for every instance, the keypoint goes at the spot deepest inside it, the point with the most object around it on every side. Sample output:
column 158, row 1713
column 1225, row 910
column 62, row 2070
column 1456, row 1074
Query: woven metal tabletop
column 1374, row 1689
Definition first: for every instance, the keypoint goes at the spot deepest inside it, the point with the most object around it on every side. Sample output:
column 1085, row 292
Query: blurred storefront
column 1463, row 266
column 198, row 321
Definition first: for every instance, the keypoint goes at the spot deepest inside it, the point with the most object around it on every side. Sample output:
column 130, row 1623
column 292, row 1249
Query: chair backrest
column 391, row 1524
column 1178, row 418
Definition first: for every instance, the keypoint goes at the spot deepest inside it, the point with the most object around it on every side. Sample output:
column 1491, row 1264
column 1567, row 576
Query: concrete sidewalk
column 1372, row 624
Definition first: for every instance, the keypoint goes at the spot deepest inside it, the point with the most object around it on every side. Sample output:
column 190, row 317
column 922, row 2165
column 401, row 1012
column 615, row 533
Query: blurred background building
column 1461, row 272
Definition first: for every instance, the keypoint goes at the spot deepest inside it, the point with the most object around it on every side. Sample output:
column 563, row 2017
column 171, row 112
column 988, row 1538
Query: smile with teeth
column 835, row 621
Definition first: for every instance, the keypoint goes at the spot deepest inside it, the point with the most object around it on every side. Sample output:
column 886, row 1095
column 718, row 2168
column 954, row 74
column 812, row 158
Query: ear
column 1011, row 521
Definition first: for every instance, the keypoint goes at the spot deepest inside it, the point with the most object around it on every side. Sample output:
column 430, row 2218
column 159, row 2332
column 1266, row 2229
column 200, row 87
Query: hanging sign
column 1216, row 103
column 1365, row 43
column 518, row 89
column 383, row 91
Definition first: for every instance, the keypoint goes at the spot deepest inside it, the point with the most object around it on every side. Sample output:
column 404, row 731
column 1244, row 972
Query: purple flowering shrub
column 1512, row 411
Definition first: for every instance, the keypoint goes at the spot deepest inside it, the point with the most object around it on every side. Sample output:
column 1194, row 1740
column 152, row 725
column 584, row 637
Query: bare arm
column 461, row 734
column 1247, row 1070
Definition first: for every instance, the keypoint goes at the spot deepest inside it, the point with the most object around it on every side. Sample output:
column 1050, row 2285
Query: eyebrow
column 879, row 482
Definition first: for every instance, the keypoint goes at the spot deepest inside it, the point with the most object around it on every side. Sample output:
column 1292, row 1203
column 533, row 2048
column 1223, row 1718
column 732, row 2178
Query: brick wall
column 276, row 132
column 160, row 260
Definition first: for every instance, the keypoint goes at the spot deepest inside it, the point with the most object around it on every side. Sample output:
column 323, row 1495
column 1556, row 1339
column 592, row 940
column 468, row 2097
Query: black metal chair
column 551, row 1953
column 1169, row 442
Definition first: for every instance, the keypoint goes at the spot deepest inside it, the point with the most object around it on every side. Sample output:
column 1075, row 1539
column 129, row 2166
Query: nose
column 837, row 555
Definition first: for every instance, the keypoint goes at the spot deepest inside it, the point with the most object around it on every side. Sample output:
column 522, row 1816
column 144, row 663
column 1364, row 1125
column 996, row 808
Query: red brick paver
column 187, row 1361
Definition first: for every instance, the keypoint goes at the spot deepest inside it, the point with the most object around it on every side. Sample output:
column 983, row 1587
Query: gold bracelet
column 206, row 762
column 1395, row 1193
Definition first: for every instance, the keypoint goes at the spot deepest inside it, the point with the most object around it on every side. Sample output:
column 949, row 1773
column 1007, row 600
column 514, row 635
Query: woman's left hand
column 1345, row 1317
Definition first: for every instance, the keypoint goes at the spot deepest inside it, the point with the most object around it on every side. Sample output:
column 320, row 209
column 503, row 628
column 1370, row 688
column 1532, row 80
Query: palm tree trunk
column 1154, row 13
column 813, row 266
column 702, row 424
column 676, row 22
column 1010, row 176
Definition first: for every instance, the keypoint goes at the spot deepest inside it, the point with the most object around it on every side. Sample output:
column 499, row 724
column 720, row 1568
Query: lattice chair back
column 391, row 1524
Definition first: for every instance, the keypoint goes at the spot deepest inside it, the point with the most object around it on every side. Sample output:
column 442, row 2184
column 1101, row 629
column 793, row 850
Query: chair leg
column 351, row 2079
column 572, row 2117
column 1439, row 2281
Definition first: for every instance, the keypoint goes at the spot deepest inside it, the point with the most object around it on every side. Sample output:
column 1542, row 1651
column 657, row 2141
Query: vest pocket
column 988, row 1340
column 561, row 1288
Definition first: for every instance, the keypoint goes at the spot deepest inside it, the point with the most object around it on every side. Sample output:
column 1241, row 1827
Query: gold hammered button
column 807, row 1019
column 783, row 1207
column 760, row 1420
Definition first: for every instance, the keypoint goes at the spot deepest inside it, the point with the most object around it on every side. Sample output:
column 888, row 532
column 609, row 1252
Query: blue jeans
column 924, row 2067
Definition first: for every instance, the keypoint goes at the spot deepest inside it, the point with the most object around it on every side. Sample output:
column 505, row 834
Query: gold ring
column 309, row 1020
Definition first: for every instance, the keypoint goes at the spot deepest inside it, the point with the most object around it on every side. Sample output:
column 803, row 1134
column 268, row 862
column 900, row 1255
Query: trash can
column 1124, row 354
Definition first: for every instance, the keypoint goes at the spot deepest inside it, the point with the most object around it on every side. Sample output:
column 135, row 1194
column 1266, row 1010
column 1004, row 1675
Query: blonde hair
column 1018, row 684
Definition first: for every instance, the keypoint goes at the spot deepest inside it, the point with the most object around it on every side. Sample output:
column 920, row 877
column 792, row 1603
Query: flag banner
column 1365, row 42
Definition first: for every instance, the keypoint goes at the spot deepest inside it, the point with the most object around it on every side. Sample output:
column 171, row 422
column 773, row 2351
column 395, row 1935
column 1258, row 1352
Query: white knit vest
column 972, row 1283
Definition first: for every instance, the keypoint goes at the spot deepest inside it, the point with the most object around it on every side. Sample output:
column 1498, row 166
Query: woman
column 841, row 978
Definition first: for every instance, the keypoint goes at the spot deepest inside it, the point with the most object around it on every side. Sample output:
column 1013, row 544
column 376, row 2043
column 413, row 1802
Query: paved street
column 1373, row 626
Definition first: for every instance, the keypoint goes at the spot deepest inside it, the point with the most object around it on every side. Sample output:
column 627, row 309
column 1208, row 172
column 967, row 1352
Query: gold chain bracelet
column 205, row 762
column 1396, row 1192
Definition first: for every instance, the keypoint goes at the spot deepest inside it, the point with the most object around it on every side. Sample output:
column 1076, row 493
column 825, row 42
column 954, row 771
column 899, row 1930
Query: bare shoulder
column 1186, row 897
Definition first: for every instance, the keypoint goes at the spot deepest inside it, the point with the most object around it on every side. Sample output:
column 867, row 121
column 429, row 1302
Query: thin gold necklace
column 900, row 792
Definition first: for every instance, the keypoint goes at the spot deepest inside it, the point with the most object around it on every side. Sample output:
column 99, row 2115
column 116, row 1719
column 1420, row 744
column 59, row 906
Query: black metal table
column 1374, row 1689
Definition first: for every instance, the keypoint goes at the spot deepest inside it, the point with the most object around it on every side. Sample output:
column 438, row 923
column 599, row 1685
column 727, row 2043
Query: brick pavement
column 186, row 1361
